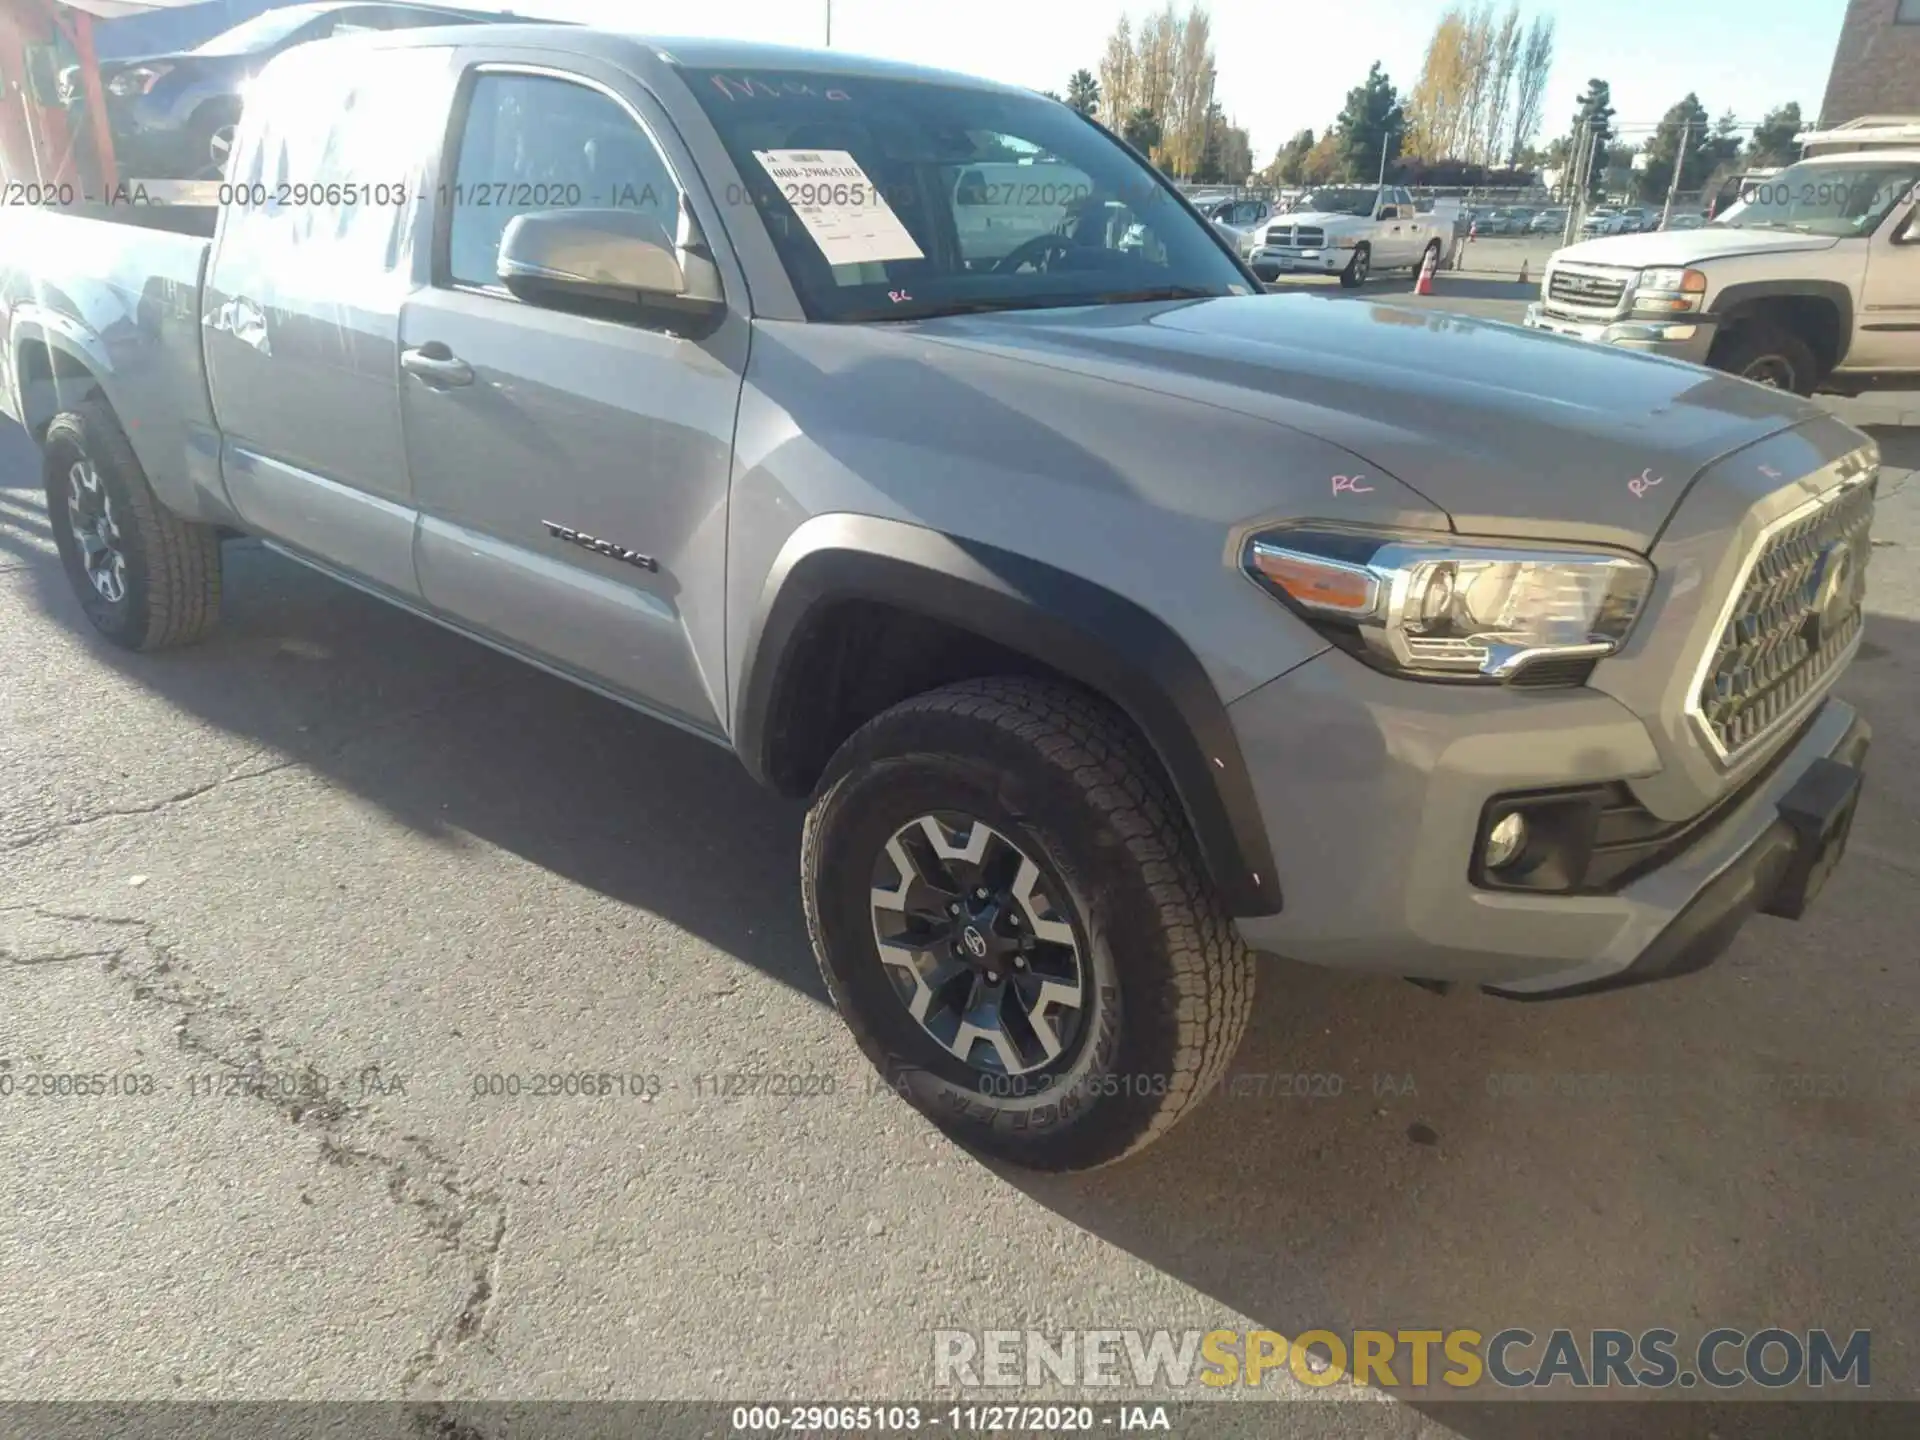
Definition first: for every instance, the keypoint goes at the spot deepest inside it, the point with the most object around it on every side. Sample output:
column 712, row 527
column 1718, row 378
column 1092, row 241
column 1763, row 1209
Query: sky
column 1286, row 65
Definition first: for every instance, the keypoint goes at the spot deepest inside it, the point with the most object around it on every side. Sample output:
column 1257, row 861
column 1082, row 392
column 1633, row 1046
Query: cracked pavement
column 289, row 893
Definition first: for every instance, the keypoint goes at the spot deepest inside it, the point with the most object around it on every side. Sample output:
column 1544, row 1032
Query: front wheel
column 1355, row 275
column 1005, row 905
column 1767, row 355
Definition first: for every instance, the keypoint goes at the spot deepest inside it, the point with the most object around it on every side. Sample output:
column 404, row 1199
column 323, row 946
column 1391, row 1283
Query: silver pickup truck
column 1470, row 655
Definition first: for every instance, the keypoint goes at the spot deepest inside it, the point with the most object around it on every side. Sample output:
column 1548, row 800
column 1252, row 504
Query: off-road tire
column 1358, row 268
column 172, row 565
column 1060, row 773
column 1758, row 342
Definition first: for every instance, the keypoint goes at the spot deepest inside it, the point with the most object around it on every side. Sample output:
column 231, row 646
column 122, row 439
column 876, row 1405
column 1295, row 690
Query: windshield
column 262, row 32
column 1823, row 199
column 898, row 199
column 1339, row 202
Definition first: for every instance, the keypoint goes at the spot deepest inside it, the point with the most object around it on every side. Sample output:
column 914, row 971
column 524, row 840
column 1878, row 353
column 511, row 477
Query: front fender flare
column 1070, row 624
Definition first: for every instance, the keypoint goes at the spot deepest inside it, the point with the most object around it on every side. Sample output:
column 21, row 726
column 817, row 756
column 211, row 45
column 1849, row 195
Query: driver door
column 1887, row 331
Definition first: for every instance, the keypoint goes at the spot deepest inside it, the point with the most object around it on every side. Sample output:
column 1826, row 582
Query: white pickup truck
column 1810, row 280
column 1350, row 232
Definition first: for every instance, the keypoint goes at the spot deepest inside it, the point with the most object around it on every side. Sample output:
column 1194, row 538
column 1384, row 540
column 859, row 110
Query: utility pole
column 1679, row 164
column 1576, row 186
column 829, row 24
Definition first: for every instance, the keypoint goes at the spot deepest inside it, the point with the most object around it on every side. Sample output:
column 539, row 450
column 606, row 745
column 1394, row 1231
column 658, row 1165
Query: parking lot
column 339, row 842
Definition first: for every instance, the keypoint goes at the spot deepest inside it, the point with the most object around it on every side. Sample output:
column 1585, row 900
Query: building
column 1876, row 67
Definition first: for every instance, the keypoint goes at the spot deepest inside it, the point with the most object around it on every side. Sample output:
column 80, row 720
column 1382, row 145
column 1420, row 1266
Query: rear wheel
column 1358, row 268
column 1767, row 354
column 1005, row 905
column 146, row 579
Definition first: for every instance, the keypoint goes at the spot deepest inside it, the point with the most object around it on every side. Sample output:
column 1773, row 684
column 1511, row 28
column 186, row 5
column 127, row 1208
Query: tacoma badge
column 599, row 546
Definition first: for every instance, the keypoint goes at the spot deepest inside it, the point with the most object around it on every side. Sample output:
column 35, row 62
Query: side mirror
column 604, row 257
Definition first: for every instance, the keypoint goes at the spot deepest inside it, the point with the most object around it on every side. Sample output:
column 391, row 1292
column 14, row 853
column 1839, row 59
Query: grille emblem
column 1831, row 592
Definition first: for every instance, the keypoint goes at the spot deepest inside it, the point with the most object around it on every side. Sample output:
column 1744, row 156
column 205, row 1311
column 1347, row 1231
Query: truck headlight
column 1439, row 610
column 1670, row 292
column 140, row 80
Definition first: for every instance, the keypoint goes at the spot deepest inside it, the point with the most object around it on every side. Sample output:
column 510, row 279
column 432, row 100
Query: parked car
column 1636, row 218
column 172, row 116
column 1351, row 232
column 1548, row 222
column 1685, row 220
column 1388, row 684
column 1241, row 222
column 1812, row 281
column 1601, row 222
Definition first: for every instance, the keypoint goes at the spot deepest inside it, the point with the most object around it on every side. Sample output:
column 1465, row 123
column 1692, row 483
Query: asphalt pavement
column 384, row 872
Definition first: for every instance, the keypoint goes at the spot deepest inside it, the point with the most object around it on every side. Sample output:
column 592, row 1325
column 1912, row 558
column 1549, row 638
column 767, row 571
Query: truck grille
column 1798, row 610
column 1310, row 236
column 1578, row 290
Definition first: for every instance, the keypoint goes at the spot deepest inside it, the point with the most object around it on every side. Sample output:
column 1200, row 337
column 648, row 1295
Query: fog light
column 1506, row 840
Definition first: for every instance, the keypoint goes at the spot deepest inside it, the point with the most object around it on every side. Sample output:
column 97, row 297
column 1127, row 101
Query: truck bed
column 110, row 301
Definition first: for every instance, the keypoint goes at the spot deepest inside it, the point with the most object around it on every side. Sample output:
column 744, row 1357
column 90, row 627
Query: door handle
column 435, row 364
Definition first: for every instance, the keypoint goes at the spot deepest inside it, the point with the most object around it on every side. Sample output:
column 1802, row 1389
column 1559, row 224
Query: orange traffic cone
column 1473, row 230
column 1523, row 273
column 1424, row 285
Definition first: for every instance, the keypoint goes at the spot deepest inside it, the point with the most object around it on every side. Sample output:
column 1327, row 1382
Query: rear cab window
column 325, row 184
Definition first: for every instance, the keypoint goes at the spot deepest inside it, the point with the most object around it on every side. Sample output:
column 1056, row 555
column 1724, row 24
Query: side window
column 972, row 189
column 533, row 142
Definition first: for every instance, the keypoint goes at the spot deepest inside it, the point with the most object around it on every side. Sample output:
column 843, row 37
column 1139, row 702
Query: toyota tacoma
column 1471, row 655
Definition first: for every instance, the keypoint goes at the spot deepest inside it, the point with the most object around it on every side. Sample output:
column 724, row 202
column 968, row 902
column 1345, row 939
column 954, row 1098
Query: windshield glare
column 898, row 199
column 1818, row 199
column 259, row 33
column 1340, row 202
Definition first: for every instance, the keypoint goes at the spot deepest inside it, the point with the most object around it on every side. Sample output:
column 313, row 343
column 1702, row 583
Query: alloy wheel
column 96, row 531
column 1773, row 371
column 979, row 945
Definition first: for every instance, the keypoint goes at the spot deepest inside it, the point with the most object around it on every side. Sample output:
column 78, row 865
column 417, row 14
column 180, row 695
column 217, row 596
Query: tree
column 1167, row 69
column 1083, row 92
column 1437, row 110
column 1141, row 130
column 1228, row 157
column 1593, row 131
column 1683, row 140
column 1503, row 58
column 1323, row 162
column 1119, row 77
column 1773, row 138
column 1289, row 166
column 1370, row 119
column 1530, row 95
column 1051, row 94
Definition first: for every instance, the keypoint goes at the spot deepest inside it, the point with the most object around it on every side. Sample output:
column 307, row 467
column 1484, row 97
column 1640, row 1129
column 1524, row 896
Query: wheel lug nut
column 1019, row 962
column 954, row 908
column 980, row 893
column 993, row 977
column 1014, row 919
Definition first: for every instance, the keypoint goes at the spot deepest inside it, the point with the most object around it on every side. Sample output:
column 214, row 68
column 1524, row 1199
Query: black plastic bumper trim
column 1705, row 927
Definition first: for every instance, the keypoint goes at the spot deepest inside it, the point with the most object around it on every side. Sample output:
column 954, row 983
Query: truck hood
column 1689, row 247
column 1511, row 432
column 1324, row 218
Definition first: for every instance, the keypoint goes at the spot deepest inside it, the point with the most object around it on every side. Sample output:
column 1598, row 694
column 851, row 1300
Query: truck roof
column 677, row 51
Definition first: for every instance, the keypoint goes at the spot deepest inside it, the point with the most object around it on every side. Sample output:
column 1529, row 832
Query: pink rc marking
column 1350, row 485
column 898, row 297
column 1644, row 482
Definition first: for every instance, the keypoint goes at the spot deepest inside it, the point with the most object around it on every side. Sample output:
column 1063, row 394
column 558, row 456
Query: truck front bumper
column 1688, row 339
column 1271, row 262
column 1375, row 791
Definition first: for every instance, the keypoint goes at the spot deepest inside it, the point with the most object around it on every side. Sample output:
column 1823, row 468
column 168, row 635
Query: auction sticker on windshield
column 843, row 210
